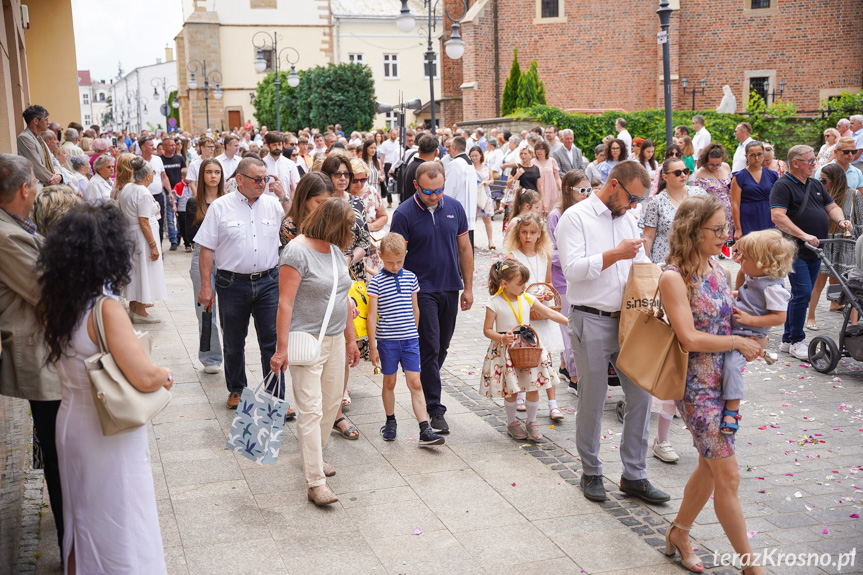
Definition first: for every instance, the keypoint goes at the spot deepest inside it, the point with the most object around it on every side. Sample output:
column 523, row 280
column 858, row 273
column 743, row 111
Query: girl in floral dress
column 509, row 308
column 697, row 298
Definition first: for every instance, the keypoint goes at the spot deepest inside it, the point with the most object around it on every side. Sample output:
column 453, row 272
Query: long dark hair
column 311, row 185
column 662, row 183
column 365, row 155
column 648, row 143
column 201, row 192
column 86, row 252
column 837, row 189
column 624, row 153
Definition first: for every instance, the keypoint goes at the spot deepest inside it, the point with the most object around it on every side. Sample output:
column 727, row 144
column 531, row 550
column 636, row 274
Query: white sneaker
column 142, row 318
column 785, row 346
column 211, row 369
column 664, row 451
column 800, row 350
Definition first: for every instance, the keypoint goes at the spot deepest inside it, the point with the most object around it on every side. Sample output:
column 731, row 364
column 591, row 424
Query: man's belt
column 595, row 311
column 252, row 277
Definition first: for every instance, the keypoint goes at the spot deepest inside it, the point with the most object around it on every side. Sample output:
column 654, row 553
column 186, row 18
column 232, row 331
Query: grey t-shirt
column 316, row 285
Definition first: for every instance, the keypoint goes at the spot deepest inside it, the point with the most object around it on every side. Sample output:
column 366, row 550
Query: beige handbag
column 120, row 405
column 651, row 355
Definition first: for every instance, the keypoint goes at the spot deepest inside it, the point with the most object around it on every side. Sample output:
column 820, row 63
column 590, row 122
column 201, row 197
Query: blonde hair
column 686, row 236
column 506, row 270
column 771, row 252
column 394, row 244
column 512, row 240
column 530, row 151
column 123, row 172
column 51, row 204
column 359, row 167
column 686, row 148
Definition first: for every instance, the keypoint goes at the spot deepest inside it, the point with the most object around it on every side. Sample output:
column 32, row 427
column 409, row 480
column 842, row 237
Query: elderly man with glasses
column 801, row 207
column 242, row 228
column 598, row 243
column 844, row 150
column 856, row 127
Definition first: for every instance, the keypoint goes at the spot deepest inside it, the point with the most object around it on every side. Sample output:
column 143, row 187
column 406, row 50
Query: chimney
column 169, row 54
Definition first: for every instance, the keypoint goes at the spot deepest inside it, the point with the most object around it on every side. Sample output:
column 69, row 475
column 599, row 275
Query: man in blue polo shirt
column 439, row 253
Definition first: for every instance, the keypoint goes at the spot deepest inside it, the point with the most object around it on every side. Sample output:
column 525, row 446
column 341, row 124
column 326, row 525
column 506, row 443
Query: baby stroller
column 824, row 354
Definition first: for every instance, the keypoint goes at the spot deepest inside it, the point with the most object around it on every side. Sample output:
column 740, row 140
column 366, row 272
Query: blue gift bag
column 256, row 432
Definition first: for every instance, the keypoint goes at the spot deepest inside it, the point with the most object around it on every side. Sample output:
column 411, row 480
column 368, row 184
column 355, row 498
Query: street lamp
column 200, row 66
column 454, row 46
column 774, row 93
column 684, row 83
column 664, row 13
column 166, row 111
column 261, row 65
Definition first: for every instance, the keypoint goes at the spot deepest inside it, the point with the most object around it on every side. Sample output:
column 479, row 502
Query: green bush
column 531, row 91
column 343, row 93
column 510, row 89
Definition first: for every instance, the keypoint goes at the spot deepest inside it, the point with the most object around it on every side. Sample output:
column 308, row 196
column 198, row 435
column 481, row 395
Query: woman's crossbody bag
column 304, row 348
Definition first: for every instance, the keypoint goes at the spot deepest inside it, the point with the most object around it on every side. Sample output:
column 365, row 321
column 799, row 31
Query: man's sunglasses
column 847, row 152
column 430, row 192
column 678, row 173
column 632, row 199
column 257, row 181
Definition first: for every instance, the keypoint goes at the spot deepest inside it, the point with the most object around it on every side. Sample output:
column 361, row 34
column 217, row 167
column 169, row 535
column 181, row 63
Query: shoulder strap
column 332, row 301
column 808, row 186
column 99, row 325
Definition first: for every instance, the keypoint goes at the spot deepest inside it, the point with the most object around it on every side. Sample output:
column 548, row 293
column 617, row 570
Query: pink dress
column 548, row 174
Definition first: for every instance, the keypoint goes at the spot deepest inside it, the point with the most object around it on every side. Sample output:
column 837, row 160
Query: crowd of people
column 281, row 227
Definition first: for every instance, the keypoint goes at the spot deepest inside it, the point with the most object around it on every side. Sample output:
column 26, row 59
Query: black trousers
column 385, row 192
column 45, row 423
column 181, row 222
column 438, row 313
column 160, row 197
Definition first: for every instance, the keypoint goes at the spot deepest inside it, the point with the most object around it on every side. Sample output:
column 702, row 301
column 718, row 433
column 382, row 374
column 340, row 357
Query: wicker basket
column 523, row 355
column 543, row 288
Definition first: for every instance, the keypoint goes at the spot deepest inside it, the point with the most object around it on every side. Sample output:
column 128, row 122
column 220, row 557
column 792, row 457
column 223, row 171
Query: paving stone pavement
column 484, row 503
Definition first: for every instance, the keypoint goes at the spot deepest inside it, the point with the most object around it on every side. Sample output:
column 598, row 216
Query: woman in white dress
column 109, row 503
column 147, row 282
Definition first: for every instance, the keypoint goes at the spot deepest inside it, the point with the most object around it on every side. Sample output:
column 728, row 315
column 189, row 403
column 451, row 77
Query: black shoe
column 173, row 247
column 573, row 388
column 592, row 487
column 564, row 372
column 429, row 437
column 388, row 431
column 642, row 489
column 439, row 424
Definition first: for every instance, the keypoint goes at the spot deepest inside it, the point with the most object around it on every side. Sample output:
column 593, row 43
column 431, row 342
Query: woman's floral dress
column 701, row 406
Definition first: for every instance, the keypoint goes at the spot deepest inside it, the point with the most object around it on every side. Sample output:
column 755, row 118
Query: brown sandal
column 350, row 433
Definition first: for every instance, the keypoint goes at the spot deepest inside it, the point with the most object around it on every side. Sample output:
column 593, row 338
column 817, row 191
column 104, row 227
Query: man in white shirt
column 320, row 147
column 230, row 159
column 743, row 134
column 390, row 152
column 356, row 140
column 160, row 179
column 460, row 182
column 598, row 243
column 242, row 228
column 624, row 135
column 244, row 140
column 279, row 166
column 856, row 127
column 702, row 136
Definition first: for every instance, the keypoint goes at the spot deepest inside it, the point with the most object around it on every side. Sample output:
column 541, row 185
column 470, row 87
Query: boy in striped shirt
column 393, row 338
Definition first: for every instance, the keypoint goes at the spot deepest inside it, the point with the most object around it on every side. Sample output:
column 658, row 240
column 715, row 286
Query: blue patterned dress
column 701, row 407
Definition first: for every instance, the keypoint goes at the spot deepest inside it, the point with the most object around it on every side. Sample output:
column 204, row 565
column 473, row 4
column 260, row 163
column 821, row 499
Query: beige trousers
column 317, row 396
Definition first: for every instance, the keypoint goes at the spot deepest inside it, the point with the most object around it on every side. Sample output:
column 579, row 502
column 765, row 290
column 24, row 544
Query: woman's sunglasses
column 673, row 155
column 678, row 173
column 360, row 180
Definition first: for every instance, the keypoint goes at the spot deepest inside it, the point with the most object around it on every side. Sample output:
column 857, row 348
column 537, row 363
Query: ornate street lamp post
column 200, row 67
column 261, row 41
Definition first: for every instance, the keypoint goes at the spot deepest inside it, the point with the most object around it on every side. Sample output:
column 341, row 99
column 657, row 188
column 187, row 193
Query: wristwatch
column 285, row 199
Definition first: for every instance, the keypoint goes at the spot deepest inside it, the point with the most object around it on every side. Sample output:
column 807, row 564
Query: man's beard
column 275, row 154
column 617, row 210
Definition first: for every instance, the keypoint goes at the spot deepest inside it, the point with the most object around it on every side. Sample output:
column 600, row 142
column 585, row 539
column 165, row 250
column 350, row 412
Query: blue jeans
column 172, row 226
column 802, row 278
column 240, row 299
column 214, row 356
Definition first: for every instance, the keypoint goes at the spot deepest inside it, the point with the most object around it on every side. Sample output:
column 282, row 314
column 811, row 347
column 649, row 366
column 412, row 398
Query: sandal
column 346, row 400
column 811, row 325
column 690, row 563
column 729, row 428
column 519, row 403
column 350, row 433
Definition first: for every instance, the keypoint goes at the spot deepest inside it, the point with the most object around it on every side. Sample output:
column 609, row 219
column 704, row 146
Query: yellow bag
column 357, row 293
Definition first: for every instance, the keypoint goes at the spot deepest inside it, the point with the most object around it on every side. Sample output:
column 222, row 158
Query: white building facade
column 137, row 98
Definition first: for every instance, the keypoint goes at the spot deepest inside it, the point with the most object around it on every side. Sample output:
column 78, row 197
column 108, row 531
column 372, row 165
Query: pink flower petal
column 417, row 531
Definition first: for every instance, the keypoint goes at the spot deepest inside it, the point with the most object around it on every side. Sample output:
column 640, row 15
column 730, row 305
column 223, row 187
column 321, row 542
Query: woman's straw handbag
column 539, row 288
column 651, row 355
column 524, row 353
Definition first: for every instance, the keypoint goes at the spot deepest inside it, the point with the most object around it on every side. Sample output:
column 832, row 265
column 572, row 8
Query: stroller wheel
column 823, row 354
column 621, row 407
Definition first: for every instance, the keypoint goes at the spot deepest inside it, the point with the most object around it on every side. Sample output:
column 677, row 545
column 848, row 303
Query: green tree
column 510, row 90
column 265, row 101
column 531, row 91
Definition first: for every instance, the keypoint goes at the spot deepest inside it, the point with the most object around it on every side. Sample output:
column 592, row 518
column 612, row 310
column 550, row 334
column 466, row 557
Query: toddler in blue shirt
column 393, row 337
